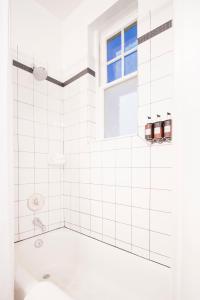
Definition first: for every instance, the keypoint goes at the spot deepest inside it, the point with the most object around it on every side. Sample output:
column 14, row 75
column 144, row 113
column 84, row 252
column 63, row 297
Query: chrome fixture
column 38, row 223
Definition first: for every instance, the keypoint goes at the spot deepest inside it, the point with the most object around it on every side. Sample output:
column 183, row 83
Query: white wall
column 187, row 95
column 75, row 28
column 6, row 188
column 37, row 33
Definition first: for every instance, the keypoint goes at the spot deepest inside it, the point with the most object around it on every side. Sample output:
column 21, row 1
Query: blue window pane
column 130, row 63
column 130, row 37
column 114, row 47
column 114, row 70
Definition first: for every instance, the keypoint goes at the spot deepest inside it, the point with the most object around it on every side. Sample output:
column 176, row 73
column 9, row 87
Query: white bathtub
column 87, row 269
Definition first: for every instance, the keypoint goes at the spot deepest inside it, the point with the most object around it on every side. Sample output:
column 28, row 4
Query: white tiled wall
column 38, row 133
column 120, row 190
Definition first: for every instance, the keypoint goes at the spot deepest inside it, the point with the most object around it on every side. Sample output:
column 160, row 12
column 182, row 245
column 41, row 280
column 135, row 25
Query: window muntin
column 122, row 53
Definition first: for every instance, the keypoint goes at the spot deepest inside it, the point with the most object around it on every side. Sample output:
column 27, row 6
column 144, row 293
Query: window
column 120, row 109
column 120, row 88
column 122, row 53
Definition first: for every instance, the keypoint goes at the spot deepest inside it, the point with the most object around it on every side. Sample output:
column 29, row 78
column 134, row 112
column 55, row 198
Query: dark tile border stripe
column 53, row 80
column 77, row 76
column 141, row 39
column 155, row 32
column 22, row 66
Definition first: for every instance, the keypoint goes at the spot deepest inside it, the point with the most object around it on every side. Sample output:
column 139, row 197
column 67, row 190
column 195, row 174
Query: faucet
column 38, row 223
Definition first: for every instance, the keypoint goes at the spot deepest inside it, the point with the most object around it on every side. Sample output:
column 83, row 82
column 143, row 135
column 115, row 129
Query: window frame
column 114, row 27
column 105, row 63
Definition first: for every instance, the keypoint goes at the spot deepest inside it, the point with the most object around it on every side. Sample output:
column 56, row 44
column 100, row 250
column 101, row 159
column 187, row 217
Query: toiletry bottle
column 149, row 130
column 158, row 130
column 167, row 124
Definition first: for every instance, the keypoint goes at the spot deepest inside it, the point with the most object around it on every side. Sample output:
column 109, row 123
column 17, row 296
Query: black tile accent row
column 155, row 32
column 53, row 80
column 22, row 66
column 80, row 74
column 141, row 39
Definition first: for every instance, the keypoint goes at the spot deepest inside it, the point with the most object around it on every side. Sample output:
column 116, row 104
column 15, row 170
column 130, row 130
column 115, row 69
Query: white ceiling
column 60, row 8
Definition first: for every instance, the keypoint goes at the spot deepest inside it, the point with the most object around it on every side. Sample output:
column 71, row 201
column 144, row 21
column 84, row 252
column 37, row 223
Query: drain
column 38, row 243
column 46, row 276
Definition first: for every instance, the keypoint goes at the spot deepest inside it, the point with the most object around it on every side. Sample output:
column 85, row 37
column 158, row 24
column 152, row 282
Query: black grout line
column 117, row 247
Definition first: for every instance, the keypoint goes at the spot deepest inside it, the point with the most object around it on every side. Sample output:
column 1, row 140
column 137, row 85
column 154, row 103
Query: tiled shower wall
column 119, row 190
column 38, row 133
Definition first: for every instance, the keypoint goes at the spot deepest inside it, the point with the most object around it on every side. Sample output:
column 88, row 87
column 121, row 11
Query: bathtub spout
column 38, row 223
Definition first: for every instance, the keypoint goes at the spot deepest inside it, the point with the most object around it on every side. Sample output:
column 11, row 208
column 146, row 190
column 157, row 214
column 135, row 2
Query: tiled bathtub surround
column 117, row 191
column 38, row 133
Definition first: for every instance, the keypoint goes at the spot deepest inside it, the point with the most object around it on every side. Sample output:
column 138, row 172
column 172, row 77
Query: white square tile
column 96, row 224
column 85, row 190
column 41, row 175
column 123, row 158
column 41, row 131
column 40, row 100
column 144, row 94
column 123, row 233
column 162, row 88
column 141, row 157
column 25, row 127
column 160, row 259
column 96, row 175
column 26, row 224
column 54, row 216
column 25, row 111
column 161, row 200
column 141, row 177
column 123, row 214
column 162, row 14
column 161, row 222
column 160, row 243
column 108, row 159
column 96, row 208
column 109, row 211
column 25, row 95
column 144, row 73
column 108, row 193
column 40, row 115
column 141, row 197
column 123, row 176
column 54, row 189
column 123, row 195
column 162, row 43
column 41, row 145
column 85, row 221
column 74, row 218
column 26, row 176
column 26, row 143
column 162, row 156
column 140, row 238
column 95, row 191
column 108, row 176
column 162, row 178
column 162, row 66
column 74, row 203
column 144, row 52
column 140, row 218
column 85, row 206
column 26, row 160
column 109, row 228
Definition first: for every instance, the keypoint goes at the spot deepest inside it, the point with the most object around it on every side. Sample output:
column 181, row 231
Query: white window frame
column 121, row 56
column 102, row 83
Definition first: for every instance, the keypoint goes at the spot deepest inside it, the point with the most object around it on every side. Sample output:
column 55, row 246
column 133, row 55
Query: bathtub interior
column 86, row 269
